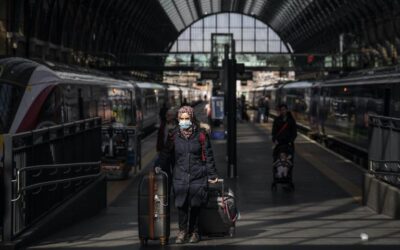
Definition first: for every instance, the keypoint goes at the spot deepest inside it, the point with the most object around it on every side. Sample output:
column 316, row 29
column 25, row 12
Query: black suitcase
column 213, row 218
column 154, row 218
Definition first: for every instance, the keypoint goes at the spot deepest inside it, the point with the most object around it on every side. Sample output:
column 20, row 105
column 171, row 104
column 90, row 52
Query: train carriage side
column 297, row 95
column 87, row 96
column 271, row 93
column 345, row 105
column 147, row 99
column 174, row 97
column 185, row 95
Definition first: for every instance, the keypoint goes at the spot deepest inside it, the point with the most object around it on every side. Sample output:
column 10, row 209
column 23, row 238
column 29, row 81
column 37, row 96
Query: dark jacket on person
column 190, row 173
column 284, row 134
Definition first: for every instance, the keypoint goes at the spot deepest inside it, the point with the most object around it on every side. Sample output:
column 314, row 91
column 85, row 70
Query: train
column 34, row 95
column 335, row 111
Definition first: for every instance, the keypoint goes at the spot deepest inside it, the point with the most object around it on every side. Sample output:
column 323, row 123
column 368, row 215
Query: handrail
column 47, row 183
column 25, row 191
column 64, row 165
column 375, row 168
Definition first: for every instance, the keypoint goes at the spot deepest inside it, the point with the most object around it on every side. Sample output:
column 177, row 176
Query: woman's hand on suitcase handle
column 215, row 180
column 157, row 170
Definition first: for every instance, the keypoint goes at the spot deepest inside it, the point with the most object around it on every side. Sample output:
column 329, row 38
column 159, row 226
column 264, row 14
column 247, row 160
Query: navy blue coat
column 190, row 172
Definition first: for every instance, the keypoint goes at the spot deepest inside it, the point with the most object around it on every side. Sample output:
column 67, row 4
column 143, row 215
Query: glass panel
column 237, row 33
column 261, row 46
column 207, row 45
column 223, row 20
column 238, row 45
column 248, row 34
column 208, row 32
column 209, row 21
column 248, row 46
column 198, row 24
column 185, row 35
column 273, row 35
column 222, row 30
column 261, row 34
column 273, row 46
column 283, row 48
column 184, row 46
column 260, row 24
column 248, row 21
column 173, row 49
column 197, row 34
column 236, row 21
column 197, row 46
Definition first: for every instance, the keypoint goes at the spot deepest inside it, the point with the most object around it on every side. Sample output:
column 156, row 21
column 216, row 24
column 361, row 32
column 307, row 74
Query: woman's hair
column 186, row 109
column 190, row 111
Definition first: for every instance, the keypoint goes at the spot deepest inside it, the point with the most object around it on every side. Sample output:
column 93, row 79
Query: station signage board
column 209, row 75
column 246, row 75
column 217, row 108
column 214, row 75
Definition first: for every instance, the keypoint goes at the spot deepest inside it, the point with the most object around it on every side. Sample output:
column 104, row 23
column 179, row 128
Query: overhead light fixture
column 205, row 13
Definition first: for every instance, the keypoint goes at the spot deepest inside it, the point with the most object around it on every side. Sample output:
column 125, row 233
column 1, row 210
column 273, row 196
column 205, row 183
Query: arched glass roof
column 250, row 35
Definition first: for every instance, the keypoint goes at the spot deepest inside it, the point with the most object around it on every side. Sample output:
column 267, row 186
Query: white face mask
column 185, row 124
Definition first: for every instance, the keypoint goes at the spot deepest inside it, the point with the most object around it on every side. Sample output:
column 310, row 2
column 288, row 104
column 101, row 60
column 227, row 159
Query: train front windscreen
column 10, row 98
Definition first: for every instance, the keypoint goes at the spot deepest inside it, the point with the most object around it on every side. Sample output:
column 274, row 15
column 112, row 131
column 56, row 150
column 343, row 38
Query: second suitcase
column 218, row 217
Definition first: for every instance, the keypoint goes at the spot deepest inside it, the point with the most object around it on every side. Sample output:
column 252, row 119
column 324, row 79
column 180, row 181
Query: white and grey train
column 33, row 95
column 337, row 110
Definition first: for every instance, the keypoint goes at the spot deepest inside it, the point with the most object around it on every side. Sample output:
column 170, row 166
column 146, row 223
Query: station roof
column 127, row 26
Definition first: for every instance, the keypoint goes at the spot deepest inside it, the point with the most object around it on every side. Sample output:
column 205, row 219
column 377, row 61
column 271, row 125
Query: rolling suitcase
column 154, row 219
column 218, row 216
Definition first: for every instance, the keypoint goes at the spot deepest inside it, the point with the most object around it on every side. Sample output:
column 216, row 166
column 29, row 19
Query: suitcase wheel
column 143, row 241
column 232, row 232
column 164, row 241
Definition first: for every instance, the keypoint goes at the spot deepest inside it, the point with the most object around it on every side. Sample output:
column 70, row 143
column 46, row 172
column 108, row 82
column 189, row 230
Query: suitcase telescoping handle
column 160, row 171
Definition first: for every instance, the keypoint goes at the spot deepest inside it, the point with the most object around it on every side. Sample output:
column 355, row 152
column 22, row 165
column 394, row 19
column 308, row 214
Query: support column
column 229, row 68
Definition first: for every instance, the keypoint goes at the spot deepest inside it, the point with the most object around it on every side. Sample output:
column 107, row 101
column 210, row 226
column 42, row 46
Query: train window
column 52, row 111
column 10, row 97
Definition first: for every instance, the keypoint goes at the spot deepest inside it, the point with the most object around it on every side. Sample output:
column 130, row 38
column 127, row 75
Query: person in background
column 185, row 102
column 284, row 130
column 163, row 112
column 194, row 166
column 266, row 104
column 245, row 117
column 261, row 109
column 207, row 110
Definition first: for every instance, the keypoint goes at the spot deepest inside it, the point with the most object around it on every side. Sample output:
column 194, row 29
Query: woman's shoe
column 181, row 237
column 194, row 238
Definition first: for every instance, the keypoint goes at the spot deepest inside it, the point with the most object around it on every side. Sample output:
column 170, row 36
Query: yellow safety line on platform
column 115, row 188
column 342, row 182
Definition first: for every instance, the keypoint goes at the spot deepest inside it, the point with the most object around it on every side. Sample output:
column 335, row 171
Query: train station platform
column 324, row 211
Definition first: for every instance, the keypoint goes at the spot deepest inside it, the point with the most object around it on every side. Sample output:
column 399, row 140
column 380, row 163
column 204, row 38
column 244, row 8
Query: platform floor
column 324, row 211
